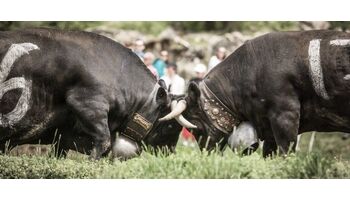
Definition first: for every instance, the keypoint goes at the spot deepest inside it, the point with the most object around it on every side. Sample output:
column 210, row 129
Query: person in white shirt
column 200, row 70
column 175, row 83
column 139, row 48
column 217, row 58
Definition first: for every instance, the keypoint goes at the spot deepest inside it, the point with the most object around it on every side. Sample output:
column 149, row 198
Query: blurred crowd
column 165, row 69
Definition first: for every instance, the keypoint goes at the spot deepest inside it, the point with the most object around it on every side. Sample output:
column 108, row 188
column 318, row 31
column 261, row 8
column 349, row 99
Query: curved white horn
column 183, row 122
column 176, row 109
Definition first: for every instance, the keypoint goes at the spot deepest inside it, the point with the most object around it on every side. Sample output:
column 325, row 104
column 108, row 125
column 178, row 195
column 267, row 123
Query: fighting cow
column 284, row 83
column 77, row 90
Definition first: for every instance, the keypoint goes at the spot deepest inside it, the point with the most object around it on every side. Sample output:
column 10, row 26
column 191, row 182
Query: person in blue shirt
column 161, row 63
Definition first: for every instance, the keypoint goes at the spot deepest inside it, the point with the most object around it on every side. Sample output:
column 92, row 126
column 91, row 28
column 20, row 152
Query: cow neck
column 217, row 112
column 137, row 124
column 137, row 86
column 222, row 85
column 136, row 80
column 218, row 88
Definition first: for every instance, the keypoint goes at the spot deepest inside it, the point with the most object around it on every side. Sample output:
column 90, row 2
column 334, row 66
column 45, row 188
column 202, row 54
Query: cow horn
column 176, row 109
column 184, row 122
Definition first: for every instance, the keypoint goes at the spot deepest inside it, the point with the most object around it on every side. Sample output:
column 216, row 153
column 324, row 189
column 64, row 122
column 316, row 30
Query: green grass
column 327, row 160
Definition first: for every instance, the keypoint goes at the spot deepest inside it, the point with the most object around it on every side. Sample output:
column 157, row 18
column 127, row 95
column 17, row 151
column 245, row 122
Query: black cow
column 75, row 89
column 285, row 83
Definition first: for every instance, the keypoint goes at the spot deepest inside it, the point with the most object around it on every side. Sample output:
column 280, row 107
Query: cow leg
column 92, row 113
column 284, row 121
column 2, row 148
column 269, row 148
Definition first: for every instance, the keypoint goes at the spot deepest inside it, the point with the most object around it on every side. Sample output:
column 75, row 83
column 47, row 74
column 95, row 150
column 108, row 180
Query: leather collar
column 137, row 128
column 217, row 112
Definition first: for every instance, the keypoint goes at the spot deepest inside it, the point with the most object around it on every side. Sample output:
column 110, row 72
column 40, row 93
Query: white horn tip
column 182, row 121
column 163, row 119
column 194, row 127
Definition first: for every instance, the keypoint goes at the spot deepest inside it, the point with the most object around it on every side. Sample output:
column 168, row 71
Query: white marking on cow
column 12, row 55
column 14, row 52
column 316, row 68
column 340, row 42
column 22, row 105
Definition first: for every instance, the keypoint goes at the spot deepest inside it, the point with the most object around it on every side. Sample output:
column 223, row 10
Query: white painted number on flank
column 340, row 42
column 315, row 64
column 13, row 53
column 316, row 69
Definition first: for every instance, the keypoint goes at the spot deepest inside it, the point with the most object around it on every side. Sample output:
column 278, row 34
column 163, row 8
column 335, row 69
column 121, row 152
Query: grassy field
column 329, row 159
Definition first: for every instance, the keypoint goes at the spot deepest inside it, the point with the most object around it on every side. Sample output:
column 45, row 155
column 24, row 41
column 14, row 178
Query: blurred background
column 194, row 47
column 188, row 43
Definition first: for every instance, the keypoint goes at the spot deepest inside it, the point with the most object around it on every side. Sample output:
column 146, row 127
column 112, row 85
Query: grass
column 327, row 160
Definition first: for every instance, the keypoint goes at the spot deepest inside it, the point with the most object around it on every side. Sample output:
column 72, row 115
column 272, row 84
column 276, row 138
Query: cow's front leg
column 284, row 121
column 3, row 147
column 285, row 130
column 91, row 110
column 269, row 148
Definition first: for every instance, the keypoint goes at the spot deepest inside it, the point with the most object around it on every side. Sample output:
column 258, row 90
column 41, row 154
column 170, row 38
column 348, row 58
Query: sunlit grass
column 327, row 160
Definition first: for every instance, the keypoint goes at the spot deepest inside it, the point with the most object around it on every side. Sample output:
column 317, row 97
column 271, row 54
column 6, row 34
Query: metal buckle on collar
column 137, row 128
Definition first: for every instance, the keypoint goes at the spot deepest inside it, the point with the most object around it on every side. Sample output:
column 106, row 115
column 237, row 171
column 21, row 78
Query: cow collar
column 138, row 126
column 217, row 112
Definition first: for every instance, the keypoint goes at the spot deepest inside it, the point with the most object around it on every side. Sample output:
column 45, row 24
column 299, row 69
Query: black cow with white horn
column 77, row 90
column 284, row 83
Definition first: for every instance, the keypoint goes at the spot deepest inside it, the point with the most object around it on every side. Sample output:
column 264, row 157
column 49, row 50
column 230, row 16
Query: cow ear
column 162, row 97
column 193, row 93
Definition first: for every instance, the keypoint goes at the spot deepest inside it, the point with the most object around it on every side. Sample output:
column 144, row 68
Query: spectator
column 161, row 63
column 175, row 84
column 200, row 71
column 139, row 47
column 217, row 58
column 148, row 60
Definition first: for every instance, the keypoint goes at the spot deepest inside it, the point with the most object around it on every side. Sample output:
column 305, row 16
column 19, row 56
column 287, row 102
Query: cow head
column 164, row 138
column 141, row 121
column 144, row 127
column 212, row 122
column 190, row 113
